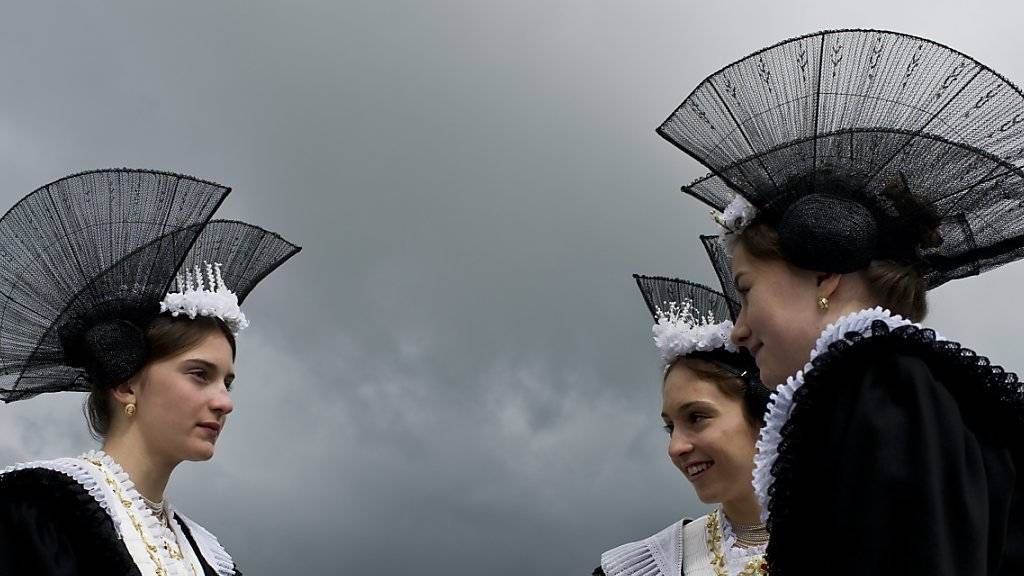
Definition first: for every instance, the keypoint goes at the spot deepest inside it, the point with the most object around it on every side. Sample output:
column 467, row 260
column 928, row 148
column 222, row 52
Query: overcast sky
column 455, row 376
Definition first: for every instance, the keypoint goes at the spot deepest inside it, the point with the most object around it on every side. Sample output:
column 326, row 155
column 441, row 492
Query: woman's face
column 183, row 401
column 779, row 320
column 711, row 441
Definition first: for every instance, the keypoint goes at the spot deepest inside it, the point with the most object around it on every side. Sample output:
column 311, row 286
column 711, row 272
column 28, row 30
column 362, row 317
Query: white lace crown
column 682, row 330
column 736, row 216
column 212, row 298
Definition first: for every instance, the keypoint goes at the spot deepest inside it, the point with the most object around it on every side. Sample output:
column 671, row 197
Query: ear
column 124, row 392
column 828, row 282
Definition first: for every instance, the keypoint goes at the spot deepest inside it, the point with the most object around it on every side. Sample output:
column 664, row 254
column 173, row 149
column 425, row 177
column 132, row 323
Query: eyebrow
column 690, row 405
column 208, row 365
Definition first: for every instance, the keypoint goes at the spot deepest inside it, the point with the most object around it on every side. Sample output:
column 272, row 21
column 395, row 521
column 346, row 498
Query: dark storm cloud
column 456, row 374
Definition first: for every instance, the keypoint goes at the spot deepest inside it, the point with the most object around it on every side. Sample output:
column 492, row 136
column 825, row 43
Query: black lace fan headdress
column 86, row 261
column 696, row 321
column 863, row 144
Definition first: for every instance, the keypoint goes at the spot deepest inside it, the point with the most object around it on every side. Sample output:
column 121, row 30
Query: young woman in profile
column 869, row 167
column 712, row 406
column 85, row 308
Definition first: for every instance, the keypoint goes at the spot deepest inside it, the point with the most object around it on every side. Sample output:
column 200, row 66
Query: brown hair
column 166, row 336
column 898, row 286
column 727, row 383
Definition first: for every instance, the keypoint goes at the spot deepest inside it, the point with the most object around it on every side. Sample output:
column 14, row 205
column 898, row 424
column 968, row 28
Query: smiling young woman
column 158, row 366
column 712, row 408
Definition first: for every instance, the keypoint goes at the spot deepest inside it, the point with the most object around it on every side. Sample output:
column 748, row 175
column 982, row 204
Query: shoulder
column 48, row 508
column 660, row 549
column 42, row 485
column 914, row 364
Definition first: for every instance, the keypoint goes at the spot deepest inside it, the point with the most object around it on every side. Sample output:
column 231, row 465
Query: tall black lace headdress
column 696, row 321
column 86, row 261
column 863, row 144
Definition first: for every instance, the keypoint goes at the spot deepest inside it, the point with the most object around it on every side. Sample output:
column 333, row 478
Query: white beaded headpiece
column 212, row 298
column 681, row 330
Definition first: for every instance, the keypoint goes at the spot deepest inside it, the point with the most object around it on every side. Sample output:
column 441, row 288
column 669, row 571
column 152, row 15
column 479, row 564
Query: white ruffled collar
column 781, row 405
column 129, row 505
column 93, row 480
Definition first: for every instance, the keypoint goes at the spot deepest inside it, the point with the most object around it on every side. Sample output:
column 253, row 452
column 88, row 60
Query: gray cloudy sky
column 455, row 376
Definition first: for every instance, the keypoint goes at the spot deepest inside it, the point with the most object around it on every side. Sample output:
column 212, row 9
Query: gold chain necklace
column 151, row 549
column 755, row 567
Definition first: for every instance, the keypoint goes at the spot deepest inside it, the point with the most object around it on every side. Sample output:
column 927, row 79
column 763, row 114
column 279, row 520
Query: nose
column 679, row 445
column 740, row 330
column 221, row 402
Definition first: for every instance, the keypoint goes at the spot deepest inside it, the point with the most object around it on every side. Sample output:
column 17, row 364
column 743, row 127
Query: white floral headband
column 682, row 330
column 213, row 299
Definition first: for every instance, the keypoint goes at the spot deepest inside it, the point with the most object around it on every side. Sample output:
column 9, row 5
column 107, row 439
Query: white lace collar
column 127, row 508
column 781, row 405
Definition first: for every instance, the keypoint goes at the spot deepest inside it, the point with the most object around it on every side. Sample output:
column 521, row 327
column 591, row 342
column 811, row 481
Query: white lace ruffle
column 154, row 529
column 781, row 404
column 92, row 480
column 210, row 547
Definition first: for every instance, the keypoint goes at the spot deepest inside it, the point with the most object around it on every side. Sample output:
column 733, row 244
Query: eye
column 228, row 384
column 697, row 418
column 198, row 375
column 668, row 428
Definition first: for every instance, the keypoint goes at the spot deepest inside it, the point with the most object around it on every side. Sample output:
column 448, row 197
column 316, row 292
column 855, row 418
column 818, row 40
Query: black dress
column 901, row 455
column 51, row 526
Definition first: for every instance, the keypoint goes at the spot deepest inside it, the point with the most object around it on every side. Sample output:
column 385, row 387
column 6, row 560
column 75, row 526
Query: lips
column 214, row 426
column 697, row 469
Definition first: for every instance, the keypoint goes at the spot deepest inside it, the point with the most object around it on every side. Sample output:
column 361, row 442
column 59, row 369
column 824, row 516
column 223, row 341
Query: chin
column 771, row 378
column 708, row 497
column 200, row 452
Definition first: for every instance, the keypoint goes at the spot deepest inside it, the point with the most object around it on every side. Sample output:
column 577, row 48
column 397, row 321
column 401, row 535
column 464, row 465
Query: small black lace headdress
column 695, row 321
column 84, row 264
column 864, row 144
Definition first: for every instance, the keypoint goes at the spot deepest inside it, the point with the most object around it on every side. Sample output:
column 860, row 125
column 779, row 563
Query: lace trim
column 780, row 407
column 79, row 470
column 209, row 547
column 153, row 527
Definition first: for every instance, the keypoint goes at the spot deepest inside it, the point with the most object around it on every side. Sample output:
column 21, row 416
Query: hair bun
column 110, row 352
column 828, row 233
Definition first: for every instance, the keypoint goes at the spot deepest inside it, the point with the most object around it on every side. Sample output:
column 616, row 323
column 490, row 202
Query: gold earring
column 129, row 409
column 823, row 303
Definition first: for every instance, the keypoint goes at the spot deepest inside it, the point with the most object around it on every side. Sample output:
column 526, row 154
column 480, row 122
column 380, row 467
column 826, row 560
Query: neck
column 149, row 474
column 743, row 511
